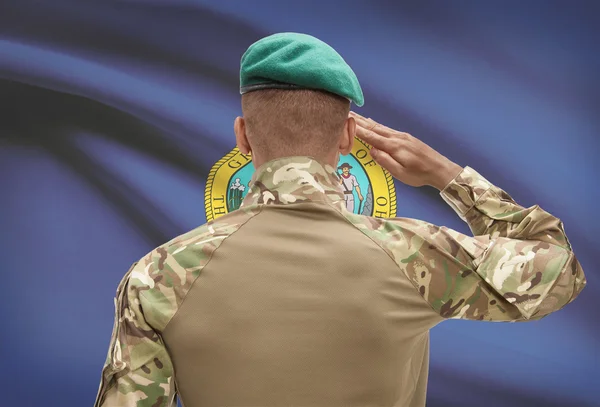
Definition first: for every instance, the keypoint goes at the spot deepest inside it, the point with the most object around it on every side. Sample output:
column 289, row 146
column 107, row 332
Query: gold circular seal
column 372, row 187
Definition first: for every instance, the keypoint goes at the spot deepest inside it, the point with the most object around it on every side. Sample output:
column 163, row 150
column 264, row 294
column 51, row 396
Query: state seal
column 368, row 188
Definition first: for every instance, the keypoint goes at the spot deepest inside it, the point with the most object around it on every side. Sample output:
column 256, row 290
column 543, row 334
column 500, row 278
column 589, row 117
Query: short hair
column 288, row 122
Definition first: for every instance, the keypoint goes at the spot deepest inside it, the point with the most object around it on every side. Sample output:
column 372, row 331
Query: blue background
column 113, row 112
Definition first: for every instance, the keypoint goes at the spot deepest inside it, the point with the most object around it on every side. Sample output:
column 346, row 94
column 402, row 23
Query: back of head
column 289, row 122
column 296, row 94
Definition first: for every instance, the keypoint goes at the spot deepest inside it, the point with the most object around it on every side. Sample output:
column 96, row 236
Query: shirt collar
column 295, row 179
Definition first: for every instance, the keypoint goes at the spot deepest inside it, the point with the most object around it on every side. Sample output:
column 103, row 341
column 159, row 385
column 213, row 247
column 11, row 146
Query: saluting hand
column 407, row 158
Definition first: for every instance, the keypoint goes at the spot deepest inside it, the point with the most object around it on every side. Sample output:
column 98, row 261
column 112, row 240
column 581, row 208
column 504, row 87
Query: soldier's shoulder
column 166, row 274
column 203, row 235
column 401, row 237
column 191, row 246
column 197, row 239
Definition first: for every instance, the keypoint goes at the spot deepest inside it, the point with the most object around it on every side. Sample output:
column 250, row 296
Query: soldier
column 267, row 306
column 349, row 182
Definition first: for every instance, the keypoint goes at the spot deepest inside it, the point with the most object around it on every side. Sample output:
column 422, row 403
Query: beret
column 297, row 61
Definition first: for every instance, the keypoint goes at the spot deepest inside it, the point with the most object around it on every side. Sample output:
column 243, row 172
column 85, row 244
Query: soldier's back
column 297, row 306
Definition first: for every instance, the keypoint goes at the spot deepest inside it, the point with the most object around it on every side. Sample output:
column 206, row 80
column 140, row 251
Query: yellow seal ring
column 376, row 185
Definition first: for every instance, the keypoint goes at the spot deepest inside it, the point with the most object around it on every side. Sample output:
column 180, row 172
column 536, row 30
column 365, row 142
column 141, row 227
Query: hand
column 360, row 197
column 408, row 159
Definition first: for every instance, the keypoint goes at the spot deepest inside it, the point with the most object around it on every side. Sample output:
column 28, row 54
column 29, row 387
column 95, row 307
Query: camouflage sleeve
column 488, row 210
column 138, row 370
column 518, row 266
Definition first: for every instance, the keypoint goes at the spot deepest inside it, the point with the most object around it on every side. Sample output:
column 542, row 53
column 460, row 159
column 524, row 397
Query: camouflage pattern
column 293, row 180
column 530, row 259
column 518, row 266
column 138, row 370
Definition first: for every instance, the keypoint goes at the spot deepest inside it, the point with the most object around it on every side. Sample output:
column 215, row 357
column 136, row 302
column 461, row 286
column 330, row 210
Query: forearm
column 529, row 258
column 488, row 210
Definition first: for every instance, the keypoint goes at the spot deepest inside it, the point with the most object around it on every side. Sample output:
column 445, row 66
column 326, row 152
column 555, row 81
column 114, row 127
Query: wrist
column 445, row 175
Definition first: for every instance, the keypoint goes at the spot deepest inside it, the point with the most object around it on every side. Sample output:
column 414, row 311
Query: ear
column 239, row 127
column 347, row 138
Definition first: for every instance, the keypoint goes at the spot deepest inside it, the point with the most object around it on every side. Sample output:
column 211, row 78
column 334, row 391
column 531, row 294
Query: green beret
column 297, row 61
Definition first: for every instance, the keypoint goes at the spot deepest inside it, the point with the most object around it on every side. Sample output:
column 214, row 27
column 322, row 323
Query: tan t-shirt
column 294, row 301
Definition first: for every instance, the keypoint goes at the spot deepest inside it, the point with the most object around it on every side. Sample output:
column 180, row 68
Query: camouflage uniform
column 279, row 311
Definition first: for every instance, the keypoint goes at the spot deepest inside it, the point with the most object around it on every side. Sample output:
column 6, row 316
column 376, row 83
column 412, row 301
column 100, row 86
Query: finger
column 374, row 139
column 388, row 162
column 364, row 122
column 361, row 117
column 379, row 128
column 373, row 126
column 357, row 116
